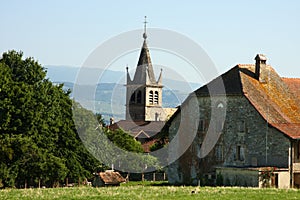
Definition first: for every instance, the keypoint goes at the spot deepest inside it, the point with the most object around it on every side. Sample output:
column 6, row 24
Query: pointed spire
column 144, row 72
column 128, row 75
column 159, row 81
column 145, row 28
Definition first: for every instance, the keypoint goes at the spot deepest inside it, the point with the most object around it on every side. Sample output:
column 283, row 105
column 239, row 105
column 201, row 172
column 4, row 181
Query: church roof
column 144, row 73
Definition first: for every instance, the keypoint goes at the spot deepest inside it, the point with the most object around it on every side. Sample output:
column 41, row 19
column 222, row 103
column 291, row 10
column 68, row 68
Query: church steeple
column 143, row 92
column 145, row 28
column 144, row 73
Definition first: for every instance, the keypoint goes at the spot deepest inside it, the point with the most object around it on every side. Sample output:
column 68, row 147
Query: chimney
column 112, row 121
column 260, row 65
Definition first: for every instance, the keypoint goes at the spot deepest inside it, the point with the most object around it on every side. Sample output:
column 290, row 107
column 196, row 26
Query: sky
column 66, row 32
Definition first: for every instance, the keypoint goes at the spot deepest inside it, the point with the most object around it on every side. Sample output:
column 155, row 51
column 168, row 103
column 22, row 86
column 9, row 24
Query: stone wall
column 243, row 140
column 239, row 177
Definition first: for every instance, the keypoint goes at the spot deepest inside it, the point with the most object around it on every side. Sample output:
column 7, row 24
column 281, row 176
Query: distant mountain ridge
column 65, row 74
column 69, row 74
column 109, row 96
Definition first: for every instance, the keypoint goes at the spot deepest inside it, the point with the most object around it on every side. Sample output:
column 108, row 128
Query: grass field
column 149, row 191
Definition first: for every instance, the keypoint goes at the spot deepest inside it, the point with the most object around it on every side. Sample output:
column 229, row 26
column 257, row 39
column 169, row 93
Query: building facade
column 251, row 125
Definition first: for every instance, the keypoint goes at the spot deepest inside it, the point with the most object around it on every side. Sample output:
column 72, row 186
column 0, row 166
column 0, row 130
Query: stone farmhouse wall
column 243, row 140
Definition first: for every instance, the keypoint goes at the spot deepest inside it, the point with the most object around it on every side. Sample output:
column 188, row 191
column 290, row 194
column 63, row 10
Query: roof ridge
column 290, row 78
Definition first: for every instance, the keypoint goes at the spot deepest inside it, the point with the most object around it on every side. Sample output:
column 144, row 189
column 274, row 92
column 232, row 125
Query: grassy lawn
column 149, row 191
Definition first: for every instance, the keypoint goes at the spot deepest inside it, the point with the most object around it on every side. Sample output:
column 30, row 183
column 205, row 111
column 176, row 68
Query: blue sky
column 66, row 32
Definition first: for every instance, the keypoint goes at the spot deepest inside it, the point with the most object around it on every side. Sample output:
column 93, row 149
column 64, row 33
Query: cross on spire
column 145, row 26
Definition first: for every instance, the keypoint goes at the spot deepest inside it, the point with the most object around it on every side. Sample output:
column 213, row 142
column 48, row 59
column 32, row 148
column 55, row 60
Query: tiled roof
column 276, row 99
column 273, row 99
column 294, row 85
column 140, row 129
column 111, row 177
column 146, row 146
column 230, row 80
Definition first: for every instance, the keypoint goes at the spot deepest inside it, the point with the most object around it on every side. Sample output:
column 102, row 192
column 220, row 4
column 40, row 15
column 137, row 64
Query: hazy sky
column 61, row 32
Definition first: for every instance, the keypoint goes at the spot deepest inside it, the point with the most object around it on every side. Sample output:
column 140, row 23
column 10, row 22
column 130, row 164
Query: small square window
column 241, row 126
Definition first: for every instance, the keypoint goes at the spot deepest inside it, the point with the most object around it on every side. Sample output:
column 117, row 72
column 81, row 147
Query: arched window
column 219, row 121
column 151, row 97
column 132, row 98
column 139, row 97
column 156, row 97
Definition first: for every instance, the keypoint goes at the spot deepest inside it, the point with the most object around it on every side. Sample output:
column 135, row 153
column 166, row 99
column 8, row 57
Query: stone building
column 145, row 115
column 247, row 120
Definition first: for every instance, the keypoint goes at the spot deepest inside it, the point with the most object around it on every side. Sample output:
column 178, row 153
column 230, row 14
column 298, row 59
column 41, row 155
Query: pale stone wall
column 262, row 144
column 284, row 180
column 154, row 113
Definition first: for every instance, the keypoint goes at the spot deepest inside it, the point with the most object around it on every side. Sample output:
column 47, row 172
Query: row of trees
column 39, row 141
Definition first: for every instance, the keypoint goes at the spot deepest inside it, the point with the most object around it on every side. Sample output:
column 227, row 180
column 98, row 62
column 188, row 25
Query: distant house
column 142, row 131
column 108, row 178
column 250, row 126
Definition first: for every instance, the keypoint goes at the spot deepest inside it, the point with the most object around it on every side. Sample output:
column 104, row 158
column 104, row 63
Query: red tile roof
column 276, row 98
column 294, row 85
column 111, row 178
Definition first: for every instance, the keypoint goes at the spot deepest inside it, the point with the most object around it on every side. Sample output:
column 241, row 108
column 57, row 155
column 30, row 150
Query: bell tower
column 144, row 93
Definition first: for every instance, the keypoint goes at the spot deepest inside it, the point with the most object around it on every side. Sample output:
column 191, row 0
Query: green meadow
column 150, row 191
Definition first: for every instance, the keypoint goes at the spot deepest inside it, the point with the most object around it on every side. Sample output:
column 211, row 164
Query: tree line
column 39, row 141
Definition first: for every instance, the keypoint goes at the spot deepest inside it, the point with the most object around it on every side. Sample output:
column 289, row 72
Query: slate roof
column 276, row 99
column 144, row 73
column 139, row 129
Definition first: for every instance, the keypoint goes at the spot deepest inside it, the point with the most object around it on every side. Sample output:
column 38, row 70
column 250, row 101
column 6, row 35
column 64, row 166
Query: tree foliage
column 124, row 140
column 41, row 130
column 38, row 138
column 113, row 148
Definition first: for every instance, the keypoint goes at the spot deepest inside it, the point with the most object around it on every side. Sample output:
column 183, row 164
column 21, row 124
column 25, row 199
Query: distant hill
column 65, row 74
column 69, row 74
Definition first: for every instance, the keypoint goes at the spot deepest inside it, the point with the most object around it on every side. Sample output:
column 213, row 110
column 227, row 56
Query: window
column 220, row 106
column 241, row 127
column 199, row 150
column 139, row 97
column 219, row 152
column 219, row 118
column 132, row 98
column 156, row 97
column 201, row 125
column 240, row 153
column 219, row 125
column 151, row 97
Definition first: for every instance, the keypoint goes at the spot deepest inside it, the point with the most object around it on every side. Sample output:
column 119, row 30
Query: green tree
column 38, row 137
column 111, row 147
column 124, row 140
